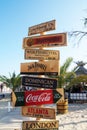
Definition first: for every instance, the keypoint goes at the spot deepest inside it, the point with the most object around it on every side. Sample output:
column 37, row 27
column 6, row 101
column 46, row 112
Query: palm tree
column 13, row 82
column 65, row 76
column 79, row 79
column 79, row 83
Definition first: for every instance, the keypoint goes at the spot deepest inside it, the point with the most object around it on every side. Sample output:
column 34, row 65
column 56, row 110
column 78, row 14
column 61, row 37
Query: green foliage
column 65, row 76
column 13, row 82
column 66, row 79
column 78, row 79
column 66, row 65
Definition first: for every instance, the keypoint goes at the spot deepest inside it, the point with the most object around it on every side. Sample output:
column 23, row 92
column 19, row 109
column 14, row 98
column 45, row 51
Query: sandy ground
column 74, row 119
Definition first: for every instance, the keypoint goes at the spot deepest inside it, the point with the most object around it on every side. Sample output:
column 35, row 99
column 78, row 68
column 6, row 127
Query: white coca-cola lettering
column 44, row 97
column 38, row 98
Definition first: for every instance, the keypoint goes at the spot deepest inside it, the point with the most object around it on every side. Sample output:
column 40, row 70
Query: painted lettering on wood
column 40, row 125
column 43, row 27
column 50, row 40
column 39, row 82
column 40, row 68
column 46, row 113
column 37, row 54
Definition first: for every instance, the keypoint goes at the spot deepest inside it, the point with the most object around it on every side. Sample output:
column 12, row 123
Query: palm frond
column 13, row 81
column 66, row 65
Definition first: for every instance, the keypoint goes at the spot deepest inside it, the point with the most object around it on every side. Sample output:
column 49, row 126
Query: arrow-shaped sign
column 43, row 27
column 37, row 97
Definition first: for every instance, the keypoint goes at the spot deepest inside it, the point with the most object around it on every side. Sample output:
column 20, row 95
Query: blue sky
column 16, row 16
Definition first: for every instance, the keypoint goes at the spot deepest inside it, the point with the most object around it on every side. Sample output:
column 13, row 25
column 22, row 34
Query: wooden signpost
column 38, row 97
column 39, row 82
column 40, row 68
column 43, row 27
column 40, row 125
column 48, row 65
column 50, row 40
column 38, row 112
column 37, row 54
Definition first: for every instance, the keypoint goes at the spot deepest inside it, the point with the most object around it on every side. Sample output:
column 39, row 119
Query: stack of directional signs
column 47, row 66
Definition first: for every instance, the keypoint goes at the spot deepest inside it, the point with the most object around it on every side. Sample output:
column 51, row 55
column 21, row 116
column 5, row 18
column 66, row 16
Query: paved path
column 75, row 119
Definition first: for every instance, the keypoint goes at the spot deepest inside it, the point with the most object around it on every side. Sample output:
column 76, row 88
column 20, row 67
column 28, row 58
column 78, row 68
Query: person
column 1, row 86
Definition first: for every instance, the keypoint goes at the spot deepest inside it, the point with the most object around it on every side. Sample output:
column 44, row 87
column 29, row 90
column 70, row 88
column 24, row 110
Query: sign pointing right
column 37, row 97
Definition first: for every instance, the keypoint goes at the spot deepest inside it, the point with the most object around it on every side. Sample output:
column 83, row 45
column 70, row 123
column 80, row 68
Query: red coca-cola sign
column 38, row 97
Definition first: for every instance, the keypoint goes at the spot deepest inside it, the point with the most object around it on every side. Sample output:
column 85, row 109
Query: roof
column 81, row 70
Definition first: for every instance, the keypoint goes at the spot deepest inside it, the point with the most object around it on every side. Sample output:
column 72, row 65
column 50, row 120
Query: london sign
column 40, row 125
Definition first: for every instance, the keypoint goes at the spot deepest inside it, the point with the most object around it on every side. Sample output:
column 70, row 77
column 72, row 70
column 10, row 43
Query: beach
column 74, row 119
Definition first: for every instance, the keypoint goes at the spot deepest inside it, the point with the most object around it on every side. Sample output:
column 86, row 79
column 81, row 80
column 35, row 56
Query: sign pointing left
column 38, row 97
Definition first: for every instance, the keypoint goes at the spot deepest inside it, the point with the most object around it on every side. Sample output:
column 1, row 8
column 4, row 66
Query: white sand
column 75, row 119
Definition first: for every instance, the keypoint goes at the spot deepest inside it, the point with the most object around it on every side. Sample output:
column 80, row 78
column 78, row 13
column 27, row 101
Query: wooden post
column 43, row 33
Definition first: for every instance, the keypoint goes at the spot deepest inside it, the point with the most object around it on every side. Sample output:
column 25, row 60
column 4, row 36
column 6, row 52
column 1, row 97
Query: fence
column 78, row 97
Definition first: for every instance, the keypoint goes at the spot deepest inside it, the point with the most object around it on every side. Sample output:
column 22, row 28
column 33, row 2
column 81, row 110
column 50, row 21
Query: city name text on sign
column 37, row 54
column 40, row 68
column 46, row 113
column 40, row 125
column 50, row 40
column 38, row 97
column 39, row 82
column 43, row 27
